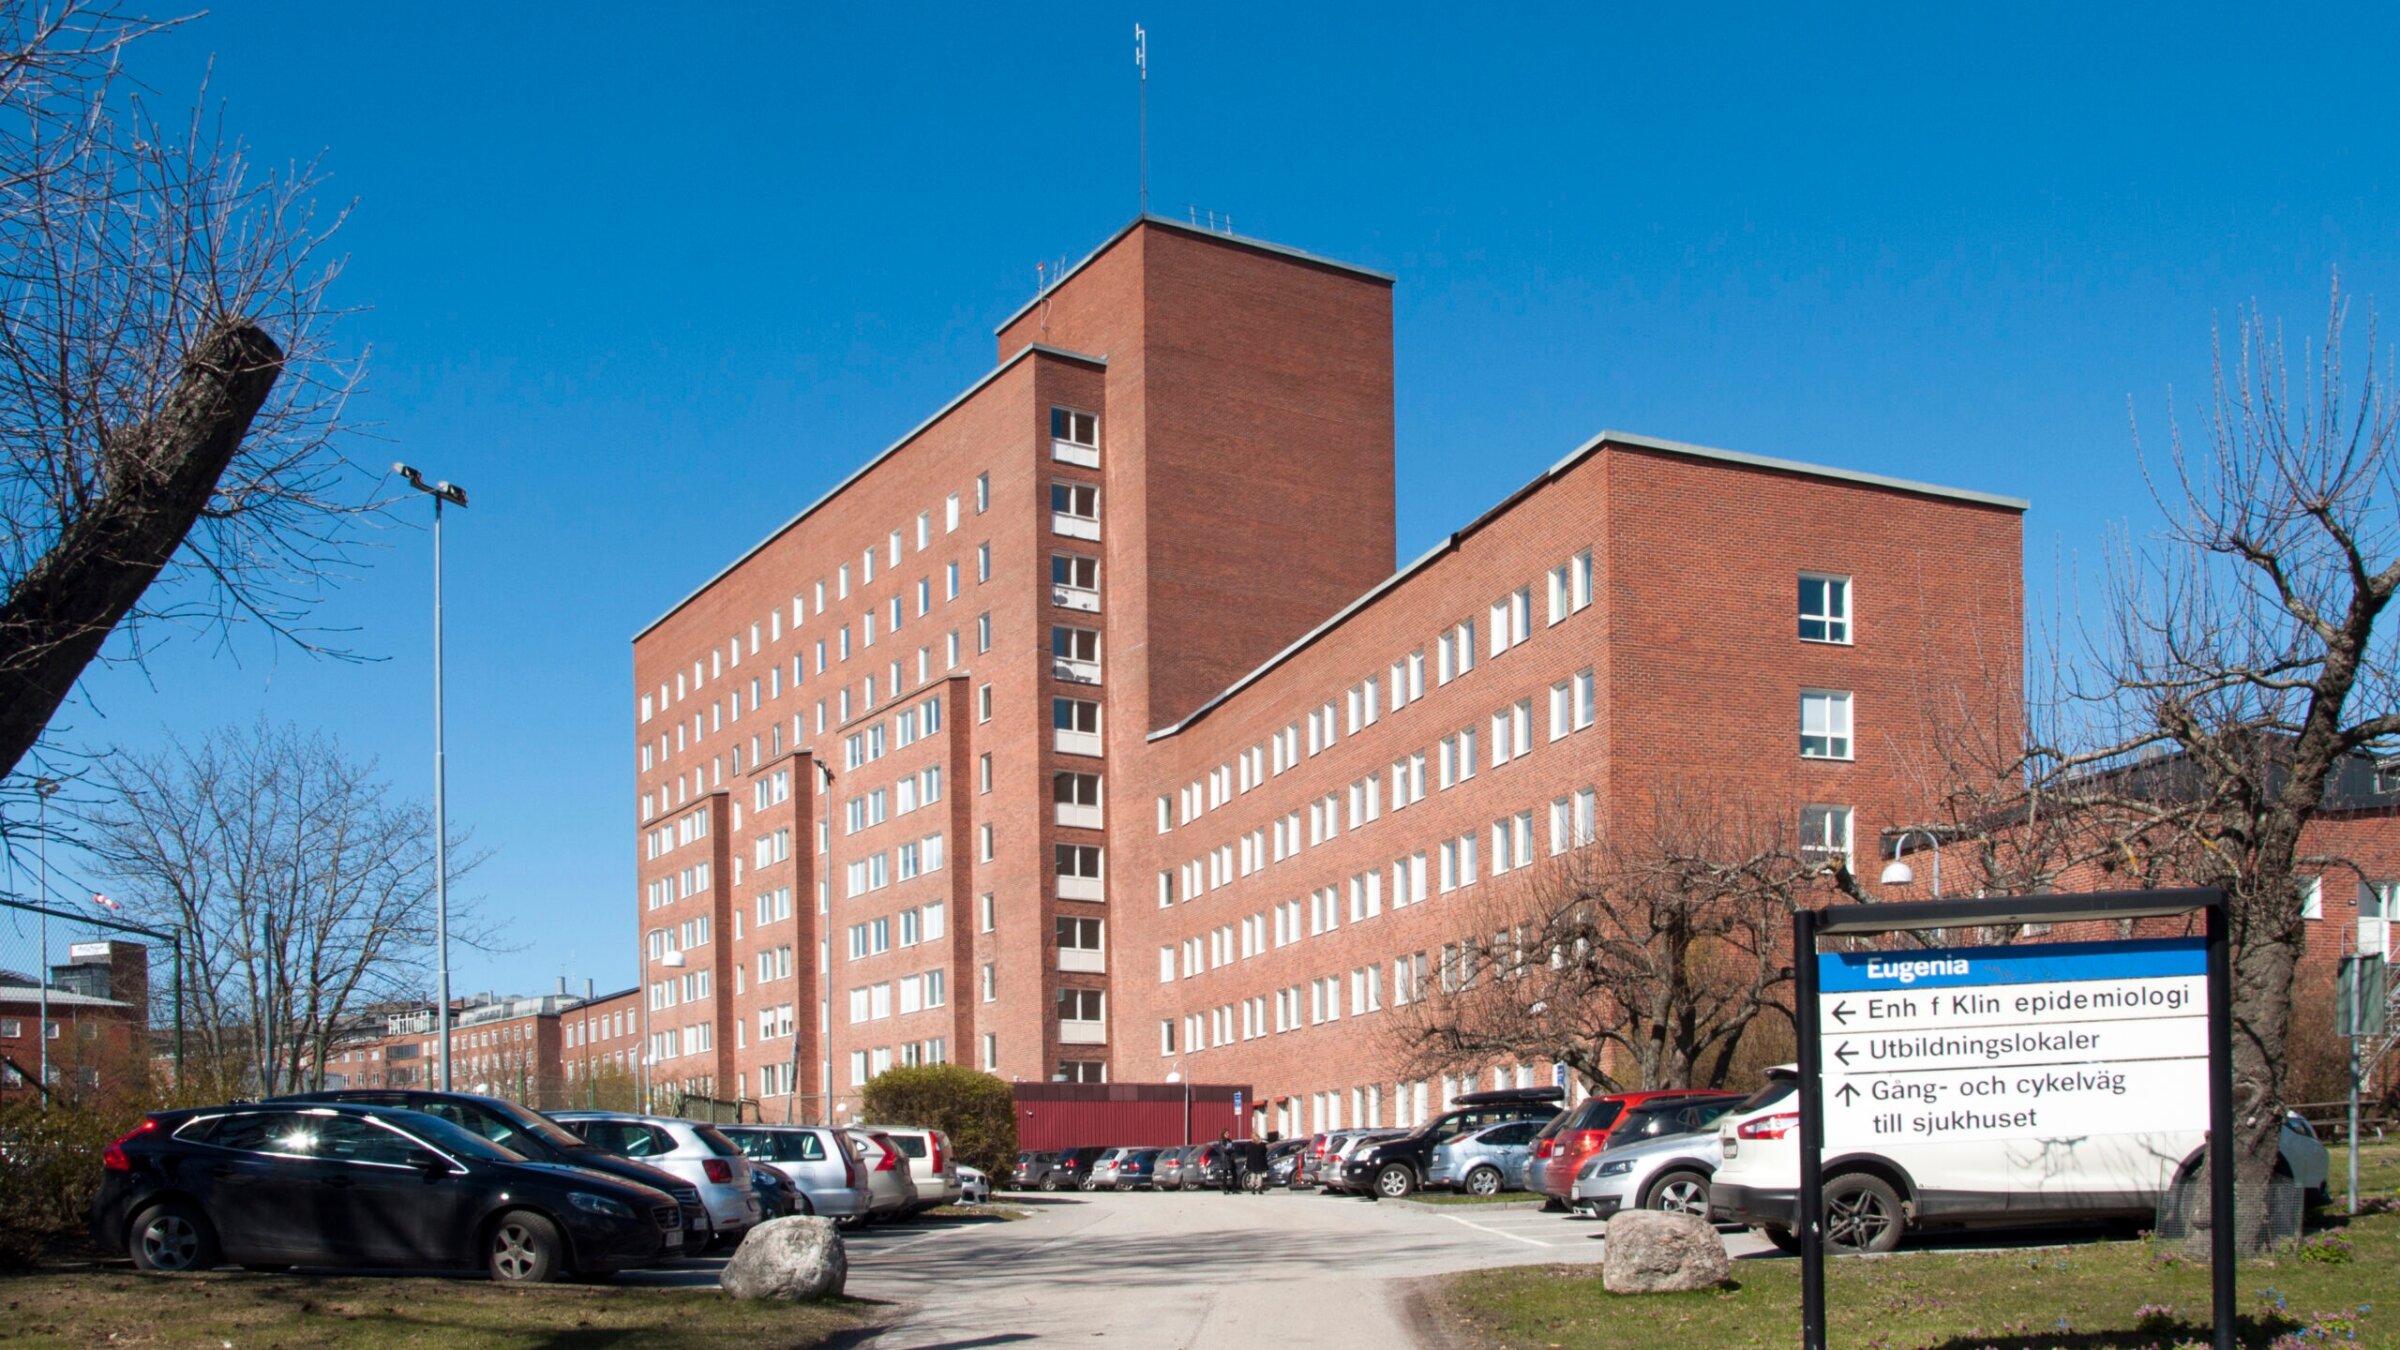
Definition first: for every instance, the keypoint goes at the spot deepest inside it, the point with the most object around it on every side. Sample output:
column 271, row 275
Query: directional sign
column 2056, row 1040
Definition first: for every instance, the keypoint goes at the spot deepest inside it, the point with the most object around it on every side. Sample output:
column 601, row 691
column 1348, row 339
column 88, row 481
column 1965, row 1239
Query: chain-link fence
column 91, row 1007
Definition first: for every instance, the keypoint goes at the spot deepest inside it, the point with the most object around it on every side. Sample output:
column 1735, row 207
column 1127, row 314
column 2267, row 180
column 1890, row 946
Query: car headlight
column 1615, row 1167
column 599, row 1204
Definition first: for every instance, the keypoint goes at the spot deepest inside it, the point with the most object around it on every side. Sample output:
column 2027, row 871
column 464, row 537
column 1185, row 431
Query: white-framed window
column 1825, row 832
column 1824, row 608
column 1825, row 729
column 2378, row 904
column 2312, row 897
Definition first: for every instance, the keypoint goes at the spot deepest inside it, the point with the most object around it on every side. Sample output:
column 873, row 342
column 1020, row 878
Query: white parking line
column 1513, row 1237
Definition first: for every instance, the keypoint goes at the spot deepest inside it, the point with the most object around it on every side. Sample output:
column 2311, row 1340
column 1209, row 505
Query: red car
column 1562, row 1147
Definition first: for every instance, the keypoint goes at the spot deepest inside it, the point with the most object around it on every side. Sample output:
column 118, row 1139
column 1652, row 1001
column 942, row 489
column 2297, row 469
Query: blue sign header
column 2029, row 963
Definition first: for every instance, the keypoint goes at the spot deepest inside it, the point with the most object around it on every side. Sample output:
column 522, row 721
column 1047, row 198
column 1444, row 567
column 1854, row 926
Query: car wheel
column 523, row 1249
column 173, row 1238
column 1484, row 1181
column 1862, row 1214
column 1785, row 1240
column 1050, row 1183
column 1395, row 1182
column 1680, row 1192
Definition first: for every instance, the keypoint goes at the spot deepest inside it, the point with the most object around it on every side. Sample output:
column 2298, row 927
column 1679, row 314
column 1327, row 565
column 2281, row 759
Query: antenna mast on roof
column 1141, row 63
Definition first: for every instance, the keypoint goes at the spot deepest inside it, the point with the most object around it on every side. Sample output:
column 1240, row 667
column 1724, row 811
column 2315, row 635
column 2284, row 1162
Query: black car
column 1068, row 1168
column 1395, row 1168
column 278, row 1184
column 535, row 1137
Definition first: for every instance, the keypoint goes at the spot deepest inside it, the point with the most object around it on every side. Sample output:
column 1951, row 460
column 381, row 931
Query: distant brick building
column 1087, row 732
column 97, row 1029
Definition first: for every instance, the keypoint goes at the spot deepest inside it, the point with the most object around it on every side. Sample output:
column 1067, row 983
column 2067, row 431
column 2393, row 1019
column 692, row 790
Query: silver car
column 1103, row 1175
column 932, row 1163
column 831, row 1180
column 693, row 1151
column 1486, row 1161
column 891, row 1186
column 1669, row 1172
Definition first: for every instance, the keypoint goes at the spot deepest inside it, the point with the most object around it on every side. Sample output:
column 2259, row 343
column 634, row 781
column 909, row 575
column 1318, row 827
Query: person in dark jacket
column 1231, row 1157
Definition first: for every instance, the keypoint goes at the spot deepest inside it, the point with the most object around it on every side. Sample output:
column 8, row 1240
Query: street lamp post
column 672, row 960
column 1176, row 1076
column 1899, row 873
column 45, row 789
column 455, row 496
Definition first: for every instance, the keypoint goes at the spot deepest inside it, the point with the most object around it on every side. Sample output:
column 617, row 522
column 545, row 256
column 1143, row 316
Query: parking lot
column 1189, row 1270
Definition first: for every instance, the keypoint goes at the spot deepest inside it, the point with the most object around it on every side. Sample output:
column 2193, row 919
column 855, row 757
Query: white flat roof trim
column 59, row 998
column 1631, row 440
column 880, row 456
column 1239, row 240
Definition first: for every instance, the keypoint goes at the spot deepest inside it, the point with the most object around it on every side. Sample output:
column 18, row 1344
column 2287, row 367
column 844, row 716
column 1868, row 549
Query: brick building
column 512, row 1046
column 1036, row 743
column 98, row 1002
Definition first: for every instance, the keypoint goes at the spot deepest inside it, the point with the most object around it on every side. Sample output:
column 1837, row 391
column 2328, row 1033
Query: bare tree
column 1639, row 959
column 299, row 883
column 2191, row 734
column 168, row 391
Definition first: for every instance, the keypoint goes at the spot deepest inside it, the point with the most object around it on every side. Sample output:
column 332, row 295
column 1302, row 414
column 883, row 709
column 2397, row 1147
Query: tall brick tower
column 874, row 752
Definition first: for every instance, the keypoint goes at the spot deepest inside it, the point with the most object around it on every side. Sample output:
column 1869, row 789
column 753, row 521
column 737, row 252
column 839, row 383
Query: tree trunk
column 158, row 479
column 2264, row 967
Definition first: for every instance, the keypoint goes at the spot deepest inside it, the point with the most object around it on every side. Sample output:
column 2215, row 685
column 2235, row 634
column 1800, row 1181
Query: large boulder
column 1651, row 1251
column 798, row 1260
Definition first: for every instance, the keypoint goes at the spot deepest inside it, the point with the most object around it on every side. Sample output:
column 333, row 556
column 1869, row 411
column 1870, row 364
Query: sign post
column 2359, row 1012
column 2053, row 1040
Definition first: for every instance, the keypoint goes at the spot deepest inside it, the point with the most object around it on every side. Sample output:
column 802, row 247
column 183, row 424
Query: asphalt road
column 1193, row 1271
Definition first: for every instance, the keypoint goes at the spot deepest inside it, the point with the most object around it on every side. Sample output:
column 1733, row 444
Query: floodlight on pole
column 1898, row 873
column 456, row 496
column 45, row 789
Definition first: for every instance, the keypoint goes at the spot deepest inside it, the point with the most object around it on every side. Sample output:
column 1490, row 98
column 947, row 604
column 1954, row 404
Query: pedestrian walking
column 1232, row 1158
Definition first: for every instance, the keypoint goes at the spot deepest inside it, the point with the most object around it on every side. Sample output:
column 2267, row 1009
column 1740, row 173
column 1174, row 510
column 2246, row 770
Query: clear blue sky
column 646, row 283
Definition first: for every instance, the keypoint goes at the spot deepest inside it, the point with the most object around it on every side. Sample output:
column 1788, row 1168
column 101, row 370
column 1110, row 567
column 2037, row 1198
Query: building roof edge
column 1222, row 237
column 1029, row 349
column 1632, row 440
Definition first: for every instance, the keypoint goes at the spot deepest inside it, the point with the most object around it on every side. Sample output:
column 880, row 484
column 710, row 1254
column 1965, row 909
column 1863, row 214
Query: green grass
column 103, row 1307
column 2120, row 1295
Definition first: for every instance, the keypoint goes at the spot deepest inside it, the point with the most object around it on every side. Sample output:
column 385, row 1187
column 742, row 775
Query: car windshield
column 453, row 1139
column 1596, row 1114
column 1776, row 1090
column 504, row 1122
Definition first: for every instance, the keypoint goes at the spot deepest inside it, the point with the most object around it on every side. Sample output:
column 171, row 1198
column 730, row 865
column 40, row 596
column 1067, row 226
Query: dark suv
column 1069, row 1167
column 1395, row 1168
column 536, row 1138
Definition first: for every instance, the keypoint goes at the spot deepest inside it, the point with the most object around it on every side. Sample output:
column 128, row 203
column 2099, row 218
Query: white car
column 974, row 1188
column 931, row 1164
column 1873, row 1198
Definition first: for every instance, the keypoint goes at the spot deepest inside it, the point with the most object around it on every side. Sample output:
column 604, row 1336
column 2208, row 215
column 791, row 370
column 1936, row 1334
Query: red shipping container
column 1154, row 1115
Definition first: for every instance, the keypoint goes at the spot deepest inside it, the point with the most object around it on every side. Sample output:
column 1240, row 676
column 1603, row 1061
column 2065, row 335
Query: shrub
column 976, row 1110
column 51, row 1172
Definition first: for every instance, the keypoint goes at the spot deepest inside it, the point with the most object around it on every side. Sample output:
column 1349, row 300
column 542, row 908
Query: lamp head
column 1898, row 873
column 672, row 960
column 1174, row 1078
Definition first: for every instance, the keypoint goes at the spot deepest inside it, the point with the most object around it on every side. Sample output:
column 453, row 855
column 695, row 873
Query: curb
column 1497, row 1206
